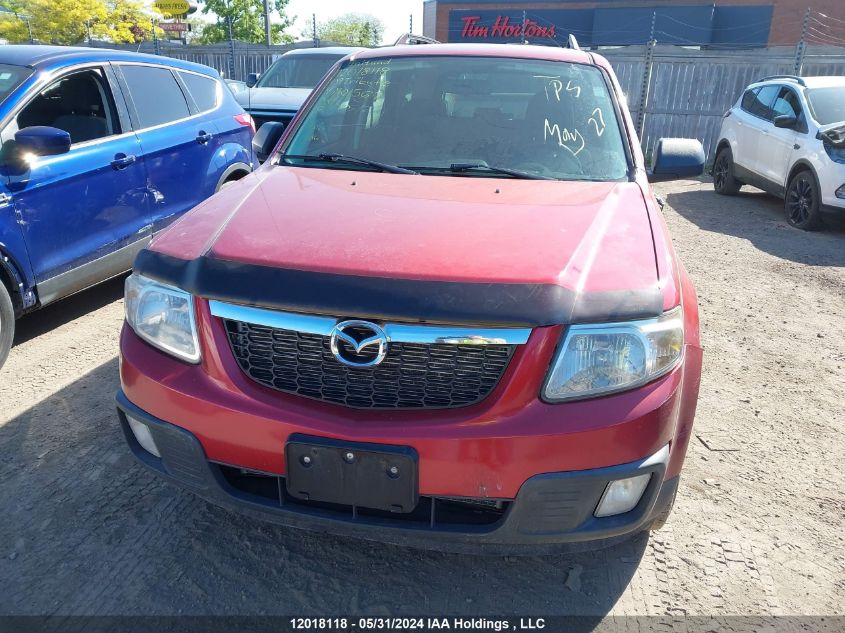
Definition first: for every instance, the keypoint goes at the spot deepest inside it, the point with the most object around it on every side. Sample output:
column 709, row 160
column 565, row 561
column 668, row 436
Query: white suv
column 786, row 135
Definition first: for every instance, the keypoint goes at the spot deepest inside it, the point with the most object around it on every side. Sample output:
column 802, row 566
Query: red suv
column 445, row 312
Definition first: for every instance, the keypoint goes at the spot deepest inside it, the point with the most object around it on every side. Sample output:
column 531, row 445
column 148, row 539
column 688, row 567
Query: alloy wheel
column 720, row 172
column 800, row 200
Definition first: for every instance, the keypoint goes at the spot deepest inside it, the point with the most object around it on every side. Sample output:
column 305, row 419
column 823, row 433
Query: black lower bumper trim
column 551, row 512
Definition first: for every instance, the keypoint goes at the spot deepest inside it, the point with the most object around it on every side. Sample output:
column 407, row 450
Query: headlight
column 600, row 359
column 163, row 316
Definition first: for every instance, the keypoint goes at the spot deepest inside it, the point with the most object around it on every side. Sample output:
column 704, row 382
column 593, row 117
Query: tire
column 7, row 323
column 724, row 181
column 803, row 202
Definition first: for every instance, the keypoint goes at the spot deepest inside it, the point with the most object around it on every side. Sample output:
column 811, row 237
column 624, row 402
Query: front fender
column 14, row 258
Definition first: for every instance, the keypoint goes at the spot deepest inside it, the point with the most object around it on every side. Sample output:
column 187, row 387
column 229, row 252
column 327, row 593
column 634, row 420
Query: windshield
column 11, row 77
column 827, row 104
column 551, row 119
column 297, row 71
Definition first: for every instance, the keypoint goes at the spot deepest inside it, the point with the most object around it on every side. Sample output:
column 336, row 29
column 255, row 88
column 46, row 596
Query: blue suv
column 100, row 150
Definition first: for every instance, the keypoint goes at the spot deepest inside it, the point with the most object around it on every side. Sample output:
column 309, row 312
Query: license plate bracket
column 377, row 476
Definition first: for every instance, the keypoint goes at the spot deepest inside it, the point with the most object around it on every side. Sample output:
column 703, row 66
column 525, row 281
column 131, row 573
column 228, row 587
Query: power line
column 712, row 27
column 820, row 34
column 826, row 26
column 824, row 15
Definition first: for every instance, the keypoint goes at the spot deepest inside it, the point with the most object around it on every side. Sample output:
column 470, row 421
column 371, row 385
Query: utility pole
column 801, row 47
column 646, row 85
column 156, row 46
column 88, row 31
column 231, row 50
column 267, row 38
column 524, row 22
column 26, row 19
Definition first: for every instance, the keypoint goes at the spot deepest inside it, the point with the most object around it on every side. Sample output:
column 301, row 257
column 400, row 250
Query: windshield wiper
column 460, row 167
column 352, row 160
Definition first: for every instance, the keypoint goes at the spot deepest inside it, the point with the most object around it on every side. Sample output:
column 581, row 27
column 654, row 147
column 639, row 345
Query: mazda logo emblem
column 361, row 336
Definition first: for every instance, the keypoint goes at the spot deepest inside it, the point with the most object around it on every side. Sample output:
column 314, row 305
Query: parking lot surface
column 757, row 527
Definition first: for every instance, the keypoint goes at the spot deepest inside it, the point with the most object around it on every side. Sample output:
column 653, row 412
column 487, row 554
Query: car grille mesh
column 411, row 376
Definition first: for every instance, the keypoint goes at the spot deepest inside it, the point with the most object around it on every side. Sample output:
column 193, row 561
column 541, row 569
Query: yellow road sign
column 172, row 7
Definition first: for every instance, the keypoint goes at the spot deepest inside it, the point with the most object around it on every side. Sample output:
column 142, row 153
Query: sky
column 395, row 14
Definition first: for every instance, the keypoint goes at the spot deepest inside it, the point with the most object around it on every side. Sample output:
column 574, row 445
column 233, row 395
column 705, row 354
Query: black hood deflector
column 391, row 299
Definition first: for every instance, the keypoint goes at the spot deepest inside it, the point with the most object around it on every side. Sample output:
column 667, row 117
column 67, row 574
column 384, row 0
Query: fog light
column 840, row 193
column 622, row 495
column 142, row 433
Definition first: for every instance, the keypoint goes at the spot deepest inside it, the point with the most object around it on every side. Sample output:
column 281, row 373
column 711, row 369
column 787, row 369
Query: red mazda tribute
column 445, row 312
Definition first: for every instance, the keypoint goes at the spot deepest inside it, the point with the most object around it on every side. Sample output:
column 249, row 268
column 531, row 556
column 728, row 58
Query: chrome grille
column 411, row 376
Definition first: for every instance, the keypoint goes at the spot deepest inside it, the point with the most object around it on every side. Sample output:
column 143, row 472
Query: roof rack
column 794, row 78
column 411, row 39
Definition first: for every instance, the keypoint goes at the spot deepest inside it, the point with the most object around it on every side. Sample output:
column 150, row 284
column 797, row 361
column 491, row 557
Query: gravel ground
column 757, row 528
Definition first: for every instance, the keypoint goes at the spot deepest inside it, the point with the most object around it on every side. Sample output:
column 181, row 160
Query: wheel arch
column 723, row 143
column 235, row 171
column 14, row 282
column 800, row 165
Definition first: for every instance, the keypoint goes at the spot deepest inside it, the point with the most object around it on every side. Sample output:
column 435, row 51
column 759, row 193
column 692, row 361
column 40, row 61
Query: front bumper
column 549, row 509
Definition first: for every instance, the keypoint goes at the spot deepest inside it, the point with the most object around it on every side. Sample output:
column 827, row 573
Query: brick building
column 712, row 23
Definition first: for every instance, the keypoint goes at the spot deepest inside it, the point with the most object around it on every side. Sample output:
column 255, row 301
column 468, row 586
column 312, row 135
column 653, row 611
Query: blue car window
column 202, row 89
column 157, row 96
column 11, row 77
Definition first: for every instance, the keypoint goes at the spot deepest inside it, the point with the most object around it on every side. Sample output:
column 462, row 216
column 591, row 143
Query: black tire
column 803, row 202
column 7, row 323
column 724, row 181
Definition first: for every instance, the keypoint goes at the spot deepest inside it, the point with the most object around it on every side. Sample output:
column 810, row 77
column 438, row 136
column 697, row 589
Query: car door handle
column 204, row 137
column 122, row 161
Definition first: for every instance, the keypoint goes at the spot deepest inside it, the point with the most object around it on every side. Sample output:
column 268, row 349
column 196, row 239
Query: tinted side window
column 202, row 89
column 748, row 99
column 763, row 100
column 157, row 97
column 79, row 103
column 786, row 104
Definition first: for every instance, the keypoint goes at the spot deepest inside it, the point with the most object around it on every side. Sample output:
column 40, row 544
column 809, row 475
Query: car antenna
column 572, row 43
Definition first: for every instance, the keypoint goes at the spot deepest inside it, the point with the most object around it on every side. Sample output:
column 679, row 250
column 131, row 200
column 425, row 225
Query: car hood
column 272, row 98
column 582, row 236
column 833, row 133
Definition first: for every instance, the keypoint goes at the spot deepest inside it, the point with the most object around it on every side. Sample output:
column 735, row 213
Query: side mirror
column 676, row 158
column 786, row 121
column 252, row 79
column 266, row 138
column 42, row 140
